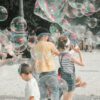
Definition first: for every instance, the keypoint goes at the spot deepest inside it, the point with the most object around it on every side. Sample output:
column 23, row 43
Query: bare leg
column 68, row 96
column 80, row 83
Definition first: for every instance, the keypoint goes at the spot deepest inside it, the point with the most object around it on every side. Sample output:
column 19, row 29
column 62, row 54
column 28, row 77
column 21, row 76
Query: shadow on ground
column 5, row 97
column 77, row 97
column 83, row 97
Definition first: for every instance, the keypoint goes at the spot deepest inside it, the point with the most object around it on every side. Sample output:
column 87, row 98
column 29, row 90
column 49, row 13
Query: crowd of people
column 41, row 75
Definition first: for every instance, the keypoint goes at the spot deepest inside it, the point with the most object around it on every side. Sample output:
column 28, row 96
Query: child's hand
column 76, row 49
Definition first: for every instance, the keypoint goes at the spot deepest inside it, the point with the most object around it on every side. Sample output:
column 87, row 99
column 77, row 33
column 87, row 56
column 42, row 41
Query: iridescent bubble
column 88, row 9
column 38, row 11
column 96, row 4
column 67, row 24
column 68, row 16
column 92, row 22
column 54, row 28
column 18, row 24
column 77, row 13
column 52, row 8
column 19, row 41
column 3, row 13
column 77, row 4
column 68, row 11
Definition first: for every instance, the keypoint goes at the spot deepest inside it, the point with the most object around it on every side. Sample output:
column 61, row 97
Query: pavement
column 12, row 86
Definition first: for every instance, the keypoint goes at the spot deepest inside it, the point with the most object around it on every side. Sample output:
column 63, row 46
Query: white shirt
column 32, row 89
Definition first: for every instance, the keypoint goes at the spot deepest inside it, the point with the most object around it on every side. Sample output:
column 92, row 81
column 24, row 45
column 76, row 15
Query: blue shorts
column 70, row 79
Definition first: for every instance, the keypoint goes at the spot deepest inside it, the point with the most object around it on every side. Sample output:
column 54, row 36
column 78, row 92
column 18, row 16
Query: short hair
column 62, row 40
column 41, row 30
column 25, row 69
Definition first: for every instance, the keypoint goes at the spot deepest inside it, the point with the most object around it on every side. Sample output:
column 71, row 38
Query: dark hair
column 62, row 40
column 25, row 69
column 40, row 30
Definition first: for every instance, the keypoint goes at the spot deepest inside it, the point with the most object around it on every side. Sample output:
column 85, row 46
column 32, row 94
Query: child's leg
column 80, row 83
column 68, row 96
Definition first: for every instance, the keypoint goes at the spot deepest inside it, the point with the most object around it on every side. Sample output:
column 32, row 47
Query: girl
column 67, row 68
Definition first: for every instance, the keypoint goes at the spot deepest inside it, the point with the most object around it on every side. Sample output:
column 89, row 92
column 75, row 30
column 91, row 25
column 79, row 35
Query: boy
column 31, row 89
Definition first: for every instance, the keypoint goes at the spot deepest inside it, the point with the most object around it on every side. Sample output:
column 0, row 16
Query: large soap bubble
column 38, row 11
column 3, row 13
column 19, row 41
column 18, row 25
column 52, row 8
column 68, row 12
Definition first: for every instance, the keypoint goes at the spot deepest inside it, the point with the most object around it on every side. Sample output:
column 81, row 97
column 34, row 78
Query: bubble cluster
column 3, row 13
column 66, row 12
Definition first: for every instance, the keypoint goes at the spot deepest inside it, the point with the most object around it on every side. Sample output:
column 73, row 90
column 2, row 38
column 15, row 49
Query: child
column 31, row 89
column 67, row 65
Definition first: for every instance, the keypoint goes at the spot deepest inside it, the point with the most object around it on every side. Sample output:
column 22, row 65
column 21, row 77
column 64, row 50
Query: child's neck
column 29, row 77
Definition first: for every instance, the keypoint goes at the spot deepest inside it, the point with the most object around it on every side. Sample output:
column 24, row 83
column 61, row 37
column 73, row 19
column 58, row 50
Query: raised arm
column 78, row 61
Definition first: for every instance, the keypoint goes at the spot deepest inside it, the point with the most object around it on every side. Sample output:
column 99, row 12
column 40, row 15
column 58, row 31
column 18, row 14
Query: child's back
column 32, row 89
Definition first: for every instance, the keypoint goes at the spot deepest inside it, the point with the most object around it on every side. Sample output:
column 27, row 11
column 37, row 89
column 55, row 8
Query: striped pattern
column 66, row 64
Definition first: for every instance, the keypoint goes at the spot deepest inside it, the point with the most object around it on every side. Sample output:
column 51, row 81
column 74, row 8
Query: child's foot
column 82, row 84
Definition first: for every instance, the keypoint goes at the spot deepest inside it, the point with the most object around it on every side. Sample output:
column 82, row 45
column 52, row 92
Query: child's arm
column 31, row 98
column 54, row 50
column 80, row 60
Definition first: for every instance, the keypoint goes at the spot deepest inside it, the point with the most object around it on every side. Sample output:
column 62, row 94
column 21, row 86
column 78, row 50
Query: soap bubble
column 88, row 9
column 3, row 13
column 77, row 4
column 52, row 8
column 19, row 41
column 18, row 24
column 38, row 11
column 92, row 22
column 68, row 11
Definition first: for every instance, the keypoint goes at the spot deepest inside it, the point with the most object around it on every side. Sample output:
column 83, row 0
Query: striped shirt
column 66, row 63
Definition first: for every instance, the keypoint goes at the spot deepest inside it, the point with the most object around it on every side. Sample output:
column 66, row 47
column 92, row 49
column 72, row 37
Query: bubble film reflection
column 18, row 24
column 67, row 12
column 19, row 41
column 76, row 3
column 92, row 22
column 3, row 13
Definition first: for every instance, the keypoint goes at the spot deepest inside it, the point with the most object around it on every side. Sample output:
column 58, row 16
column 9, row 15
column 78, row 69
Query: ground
column 12, row 87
